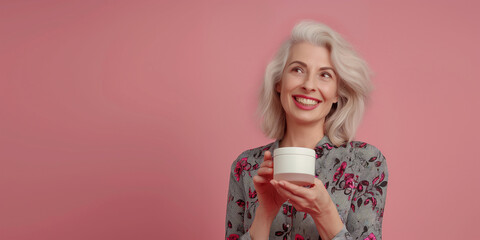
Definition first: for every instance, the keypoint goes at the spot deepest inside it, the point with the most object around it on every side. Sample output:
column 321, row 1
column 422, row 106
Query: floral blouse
column 355, row 175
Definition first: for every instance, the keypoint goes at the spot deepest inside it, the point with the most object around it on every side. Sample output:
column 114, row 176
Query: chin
column 307, row 121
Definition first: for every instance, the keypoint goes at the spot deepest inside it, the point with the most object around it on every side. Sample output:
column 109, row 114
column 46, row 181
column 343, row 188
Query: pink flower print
column 241, row 165
column 238, row 171
column 374, row 202
column 329, row 147
column 318, row 152
column 298, row 237
column 376, row 179
column 252, row 194
column 285, row 209
column 288, row 210
column 339, row 172
column 382, row 177
column 349, row 182
column 233, row 237
column 240, row 203
column 246, row 166
column 370, row 237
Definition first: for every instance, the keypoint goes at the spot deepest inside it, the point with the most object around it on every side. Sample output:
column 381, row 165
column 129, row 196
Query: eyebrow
column 305, row 65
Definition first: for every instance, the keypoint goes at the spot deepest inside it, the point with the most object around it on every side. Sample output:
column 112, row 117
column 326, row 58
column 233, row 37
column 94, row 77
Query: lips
column 307, row 101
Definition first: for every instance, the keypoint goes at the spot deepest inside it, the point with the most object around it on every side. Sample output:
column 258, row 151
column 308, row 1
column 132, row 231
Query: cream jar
column 294, row 164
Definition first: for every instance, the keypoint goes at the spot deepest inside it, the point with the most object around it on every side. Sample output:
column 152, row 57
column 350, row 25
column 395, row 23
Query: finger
column 267, row 163
column 287, row 194
column 299, row 202
column 318, row 182
column 294, row 189
column 267, row 156
column 264, row 171
column 260, row 180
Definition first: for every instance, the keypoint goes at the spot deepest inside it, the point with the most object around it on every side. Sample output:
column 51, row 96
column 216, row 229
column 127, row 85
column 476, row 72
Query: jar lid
column 294, row 151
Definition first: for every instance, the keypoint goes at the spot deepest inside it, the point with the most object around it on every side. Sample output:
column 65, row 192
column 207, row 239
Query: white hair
column 354, row 84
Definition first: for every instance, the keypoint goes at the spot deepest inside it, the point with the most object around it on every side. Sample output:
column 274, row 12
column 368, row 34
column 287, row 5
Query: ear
column 335, row 100
column 278, row 87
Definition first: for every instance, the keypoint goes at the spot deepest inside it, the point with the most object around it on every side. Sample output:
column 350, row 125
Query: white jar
column 294, row 164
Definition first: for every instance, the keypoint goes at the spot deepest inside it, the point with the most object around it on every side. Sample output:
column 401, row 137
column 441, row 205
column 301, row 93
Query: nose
column 309, row 83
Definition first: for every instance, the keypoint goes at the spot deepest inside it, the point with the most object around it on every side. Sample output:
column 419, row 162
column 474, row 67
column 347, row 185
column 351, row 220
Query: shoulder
column 370, row 158
column 364, row 149
column 251, row 156
column 363, row 155
column 358, row 149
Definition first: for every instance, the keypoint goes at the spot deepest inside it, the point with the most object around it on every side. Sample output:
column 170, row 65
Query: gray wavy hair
column 354, row 84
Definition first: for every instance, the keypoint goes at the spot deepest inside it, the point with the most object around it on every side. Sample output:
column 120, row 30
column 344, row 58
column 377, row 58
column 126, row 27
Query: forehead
column 312, row 55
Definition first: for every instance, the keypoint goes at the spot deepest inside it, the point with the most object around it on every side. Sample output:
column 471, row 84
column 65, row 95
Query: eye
column 297, row 70
column 325, row 75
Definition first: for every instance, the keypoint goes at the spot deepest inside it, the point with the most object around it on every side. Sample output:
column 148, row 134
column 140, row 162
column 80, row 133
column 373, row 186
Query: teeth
column 306, row 101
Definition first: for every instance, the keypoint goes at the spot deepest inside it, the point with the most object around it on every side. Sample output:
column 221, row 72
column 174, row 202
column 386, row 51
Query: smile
column 306, row 101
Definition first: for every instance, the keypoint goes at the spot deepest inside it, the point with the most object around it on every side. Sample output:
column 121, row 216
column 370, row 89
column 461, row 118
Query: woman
column 313, row 96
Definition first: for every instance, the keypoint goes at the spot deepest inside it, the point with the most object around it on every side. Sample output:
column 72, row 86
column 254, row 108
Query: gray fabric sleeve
column 246, row 236
column 343, row 235
column 234, row 225
column 366, row 212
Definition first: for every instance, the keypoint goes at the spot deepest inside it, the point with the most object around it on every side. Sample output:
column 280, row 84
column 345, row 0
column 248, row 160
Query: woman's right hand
column 268, row 197
column 269, row 201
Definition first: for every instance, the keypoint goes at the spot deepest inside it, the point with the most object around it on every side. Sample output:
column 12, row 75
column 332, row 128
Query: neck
column 302, row 135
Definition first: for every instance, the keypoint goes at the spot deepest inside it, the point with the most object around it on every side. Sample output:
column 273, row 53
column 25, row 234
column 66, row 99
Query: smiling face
column 308, row 87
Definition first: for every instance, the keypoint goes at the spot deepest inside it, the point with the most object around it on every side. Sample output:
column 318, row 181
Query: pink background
column 120, row 119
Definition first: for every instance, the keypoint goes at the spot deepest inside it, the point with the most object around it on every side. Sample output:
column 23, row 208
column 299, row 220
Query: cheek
column 284, row 96
column 330, row 93
column 291, row 86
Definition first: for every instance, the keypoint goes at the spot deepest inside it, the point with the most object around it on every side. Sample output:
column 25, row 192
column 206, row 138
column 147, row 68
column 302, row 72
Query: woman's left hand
column 314, row 200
